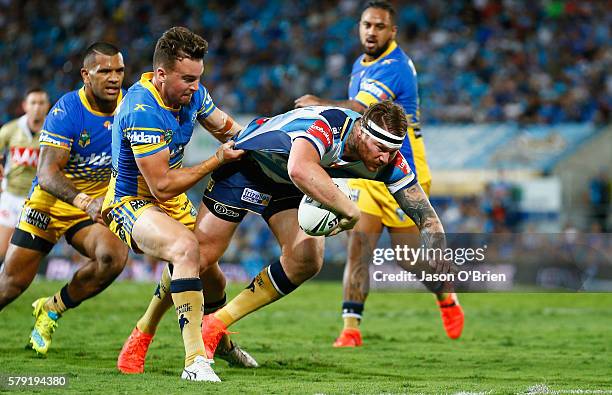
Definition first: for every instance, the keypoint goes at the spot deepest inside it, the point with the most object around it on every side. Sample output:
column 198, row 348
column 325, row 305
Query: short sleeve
column 144, row 130
column 208, row 106
column 320, row 135
column 398, row 174
column 59, row 128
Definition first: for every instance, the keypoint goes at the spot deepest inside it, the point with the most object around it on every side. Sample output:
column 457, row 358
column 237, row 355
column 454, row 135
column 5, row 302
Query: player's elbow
column 161, row 195
column 297, row 173
column 160, row 190
column 44, row 176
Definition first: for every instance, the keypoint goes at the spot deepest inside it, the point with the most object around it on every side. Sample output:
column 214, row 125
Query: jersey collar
column 86, row 104
column 391, row 48
column 145, row 80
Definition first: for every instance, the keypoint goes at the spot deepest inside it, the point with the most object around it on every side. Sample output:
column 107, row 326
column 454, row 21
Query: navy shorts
column 239, row 187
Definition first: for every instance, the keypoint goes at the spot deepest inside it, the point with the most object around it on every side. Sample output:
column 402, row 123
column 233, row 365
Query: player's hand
column 307, row 100
column 347, row 221
column 226, row 153
column 94, row 210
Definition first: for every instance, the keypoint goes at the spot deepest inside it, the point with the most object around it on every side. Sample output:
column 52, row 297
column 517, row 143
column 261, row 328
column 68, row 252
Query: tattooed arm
column 51, row 179
column 415, row 204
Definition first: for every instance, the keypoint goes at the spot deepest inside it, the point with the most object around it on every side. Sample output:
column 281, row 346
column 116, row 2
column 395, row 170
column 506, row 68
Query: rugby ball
column 316, row 220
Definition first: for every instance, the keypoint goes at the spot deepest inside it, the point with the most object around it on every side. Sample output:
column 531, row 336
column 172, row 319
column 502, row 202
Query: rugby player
column 297, row 153
column 383, row 72
column 20, row 138
column 66, row 196
column 146, row 205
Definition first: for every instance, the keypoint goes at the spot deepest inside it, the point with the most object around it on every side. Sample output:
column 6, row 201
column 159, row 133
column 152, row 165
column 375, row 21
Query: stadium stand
column 478, row 61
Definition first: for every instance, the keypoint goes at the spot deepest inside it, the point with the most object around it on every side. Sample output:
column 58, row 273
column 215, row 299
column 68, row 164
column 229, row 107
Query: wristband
column 82, row 201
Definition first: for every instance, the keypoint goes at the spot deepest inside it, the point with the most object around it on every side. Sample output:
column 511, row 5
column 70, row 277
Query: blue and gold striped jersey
column 143, row 126
column 73, row 125
column 392, row 76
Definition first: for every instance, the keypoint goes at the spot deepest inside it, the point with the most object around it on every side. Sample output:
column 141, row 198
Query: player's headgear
column 386, row 123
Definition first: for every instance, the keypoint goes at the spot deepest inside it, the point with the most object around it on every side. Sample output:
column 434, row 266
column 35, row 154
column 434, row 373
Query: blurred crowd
column 542, row 61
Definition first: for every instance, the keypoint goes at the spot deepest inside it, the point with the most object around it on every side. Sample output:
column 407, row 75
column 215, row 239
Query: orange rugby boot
column 132, row 356
column 213, row 330
column 452, row 316
column 349, row 337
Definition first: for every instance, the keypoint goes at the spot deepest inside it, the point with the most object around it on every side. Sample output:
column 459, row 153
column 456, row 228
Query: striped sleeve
column 398, row 175
column 208, row 106
column 144, row 130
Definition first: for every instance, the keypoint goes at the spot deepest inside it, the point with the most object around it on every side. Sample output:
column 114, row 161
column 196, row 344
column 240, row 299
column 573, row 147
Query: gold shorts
column 373, row 197
column 49, row 218
column 121, row 216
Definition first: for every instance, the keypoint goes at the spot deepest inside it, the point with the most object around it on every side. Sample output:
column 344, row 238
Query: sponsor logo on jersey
column 144, row 138
column 322, row 131
column 24, row 156
column 400, row 163
column 108, row 125
column 45, row 138
column 255, row 197
column 141, row 107
column 36, row 218
column 84, row 138
column 102, row 159
column 370, row 87
column 57, row 110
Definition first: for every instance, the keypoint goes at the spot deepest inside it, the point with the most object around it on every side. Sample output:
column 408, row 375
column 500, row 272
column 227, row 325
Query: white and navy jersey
column 269, row 142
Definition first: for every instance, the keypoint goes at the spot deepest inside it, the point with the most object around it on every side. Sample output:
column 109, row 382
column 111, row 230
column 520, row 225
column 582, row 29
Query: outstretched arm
column 414, row 202
column 166, row 183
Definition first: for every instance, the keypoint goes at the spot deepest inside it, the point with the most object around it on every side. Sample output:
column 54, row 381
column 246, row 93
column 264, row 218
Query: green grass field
column 512, row 343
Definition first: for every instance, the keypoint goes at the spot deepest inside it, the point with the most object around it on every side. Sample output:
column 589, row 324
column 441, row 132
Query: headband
column 381, row 135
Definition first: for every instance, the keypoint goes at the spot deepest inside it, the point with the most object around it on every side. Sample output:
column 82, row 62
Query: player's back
column 73, row 125
column 268, row 141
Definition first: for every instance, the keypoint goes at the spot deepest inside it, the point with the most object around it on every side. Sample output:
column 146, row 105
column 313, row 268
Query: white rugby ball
column 316, row 220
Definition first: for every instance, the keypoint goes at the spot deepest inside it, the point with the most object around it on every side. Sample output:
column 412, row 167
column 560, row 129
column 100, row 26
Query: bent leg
column 107, row 257
column 5, row 237
column 18, row 271
column 302, row 258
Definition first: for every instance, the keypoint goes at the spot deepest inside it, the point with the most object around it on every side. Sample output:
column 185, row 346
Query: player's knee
column 184, row 250
column 111, row 261
column 303, row 267
column 11, row 287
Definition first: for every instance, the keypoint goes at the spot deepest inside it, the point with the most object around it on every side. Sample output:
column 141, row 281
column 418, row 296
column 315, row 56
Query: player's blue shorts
column 239, row 187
